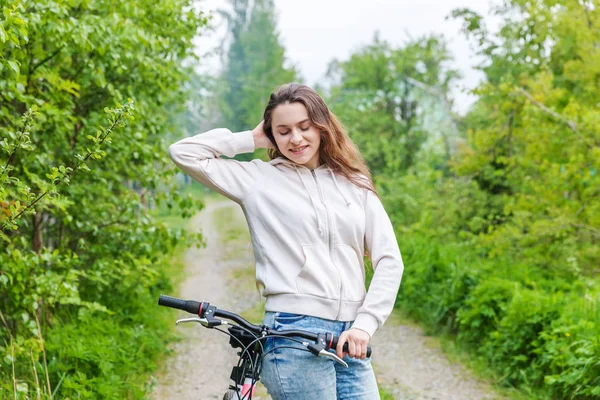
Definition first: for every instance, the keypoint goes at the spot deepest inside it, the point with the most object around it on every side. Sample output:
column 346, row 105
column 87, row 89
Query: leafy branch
column 63, row 174
column 22, row 139
column 572, row 125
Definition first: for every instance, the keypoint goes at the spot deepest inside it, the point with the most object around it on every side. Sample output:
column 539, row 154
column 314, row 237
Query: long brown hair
column 337, row 149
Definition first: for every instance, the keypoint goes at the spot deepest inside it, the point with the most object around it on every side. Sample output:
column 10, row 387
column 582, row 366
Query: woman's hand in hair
column 261, row 140
column 358, row 341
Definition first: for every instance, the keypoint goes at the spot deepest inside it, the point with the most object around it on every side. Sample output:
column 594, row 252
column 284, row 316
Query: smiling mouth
column 299, row 149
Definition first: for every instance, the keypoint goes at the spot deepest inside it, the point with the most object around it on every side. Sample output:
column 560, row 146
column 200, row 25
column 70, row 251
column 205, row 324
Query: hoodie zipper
column 330, row 239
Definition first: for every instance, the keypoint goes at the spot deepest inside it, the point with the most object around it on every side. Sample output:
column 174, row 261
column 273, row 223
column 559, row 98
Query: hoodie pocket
column 318, row 276
column 352, row 271
column 283, row 318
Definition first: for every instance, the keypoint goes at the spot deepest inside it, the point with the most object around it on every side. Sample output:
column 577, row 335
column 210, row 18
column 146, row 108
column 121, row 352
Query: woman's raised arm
column 199, row 157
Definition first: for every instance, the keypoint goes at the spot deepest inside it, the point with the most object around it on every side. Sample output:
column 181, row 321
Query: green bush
column 436, row 281
column 536, row 333
column 514, row 347
column 571, row 349
column 484, row 308
column 108, row 356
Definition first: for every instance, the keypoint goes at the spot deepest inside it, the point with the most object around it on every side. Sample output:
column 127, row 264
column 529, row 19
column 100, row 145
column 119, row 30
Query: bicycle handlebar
column 191, row 306
column 200, row 308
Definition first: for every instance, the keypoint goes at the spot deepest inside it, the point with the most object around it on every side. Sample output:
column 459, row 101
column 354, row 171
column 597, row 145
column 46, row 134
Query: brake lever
column 325, row 353
column 202, row 321
column 319, row 351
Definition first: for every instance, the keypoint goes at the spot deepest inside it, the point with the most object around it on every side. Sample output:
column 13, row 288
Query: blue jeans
column 290, row 374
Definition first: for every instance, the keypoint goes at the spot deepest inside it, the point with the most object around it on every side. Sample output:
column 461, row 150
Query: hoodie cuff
column 243, row 142
column 366, row 322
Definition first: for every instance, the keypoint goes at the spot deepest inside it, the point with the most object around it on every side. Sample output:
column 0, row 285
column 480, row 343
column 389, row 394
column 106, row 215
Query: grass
column 173, row 220
column 234, row 232
column 385, row 395
column 231, row 230
column 254, row 314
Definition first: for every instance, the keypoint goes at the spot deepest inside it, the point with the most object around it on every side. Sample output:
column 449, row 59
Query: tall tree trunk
column 37, row 238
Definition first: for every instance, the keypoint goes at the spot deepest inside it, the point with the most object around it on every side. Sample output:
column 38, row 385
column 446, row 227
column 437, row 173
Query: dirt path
column 202, row 360
column 413, row 368
column 406, row 366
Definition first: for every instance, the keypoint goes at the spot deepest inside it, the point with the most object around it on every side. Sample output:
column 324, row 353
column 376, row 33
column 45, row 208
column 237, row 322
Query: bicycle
column 249, row 338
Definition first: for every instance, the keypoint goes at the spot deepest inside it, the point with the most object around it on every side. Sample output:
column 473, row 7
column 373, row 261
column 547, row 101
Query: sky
column 314, row 32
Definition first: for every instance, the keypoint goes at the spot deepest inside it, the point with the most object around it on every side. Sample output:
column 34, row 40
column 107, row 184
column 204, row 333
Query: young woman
column 313, row 214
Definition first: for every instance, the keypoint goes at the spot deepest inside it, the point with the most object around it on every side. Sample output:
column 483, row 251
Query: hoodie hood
column 290, row 163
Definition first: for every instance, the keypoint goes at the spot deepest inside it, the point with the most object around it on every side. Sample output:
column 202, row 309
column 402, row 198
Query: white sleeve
column 199, row 157
column 382, row 245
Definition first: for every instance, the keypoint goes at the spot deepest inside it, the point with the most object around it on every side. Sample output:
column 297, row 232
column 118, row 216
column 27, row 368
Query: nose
column 296, row 137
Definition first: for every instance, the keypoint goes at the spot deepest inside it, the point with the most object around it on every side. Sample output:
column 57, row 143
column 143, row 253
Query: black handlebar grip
column 345, row 348
column 191, row 306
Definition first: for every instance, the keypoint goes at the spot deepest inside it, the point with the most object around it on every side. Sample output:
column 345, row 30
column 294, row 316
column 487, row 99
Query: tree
column 78, row 244
column 255, row 63
column 504, row 251
column 378, row 94
column 534, row 144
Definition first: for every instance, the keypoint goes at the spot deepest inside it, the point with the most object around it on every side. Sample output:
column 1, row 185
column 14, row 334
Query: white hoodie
column 309, row 230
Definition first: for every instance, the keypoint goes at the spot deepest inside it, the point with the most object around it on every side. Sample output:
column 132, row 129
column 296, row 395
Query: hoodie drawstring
column 338, row 188
column 312, row 200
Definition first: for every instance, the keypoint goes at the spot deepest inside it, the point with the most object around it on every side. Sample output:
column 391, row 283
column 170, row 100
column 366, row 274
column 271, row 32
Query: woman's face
column 296, row 137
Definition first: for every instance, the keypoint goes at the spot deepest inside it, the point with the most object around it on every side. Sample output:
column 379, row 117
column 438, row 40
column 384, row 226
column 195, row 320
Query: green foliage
column 535, row 331
column 499, row 225
column 436, row 284
column 484, row 307
column 378, row 92
column 82, row 256
column 98, row 356
column 571, row 348
column 58, row 175
column 533, row 145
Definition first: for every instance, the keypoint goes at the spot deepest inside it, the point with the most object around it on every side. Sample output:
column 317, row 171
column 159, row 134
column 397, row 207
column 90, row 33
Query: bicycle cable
column 254, row 366
column 237, row 389
column 241, row 357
